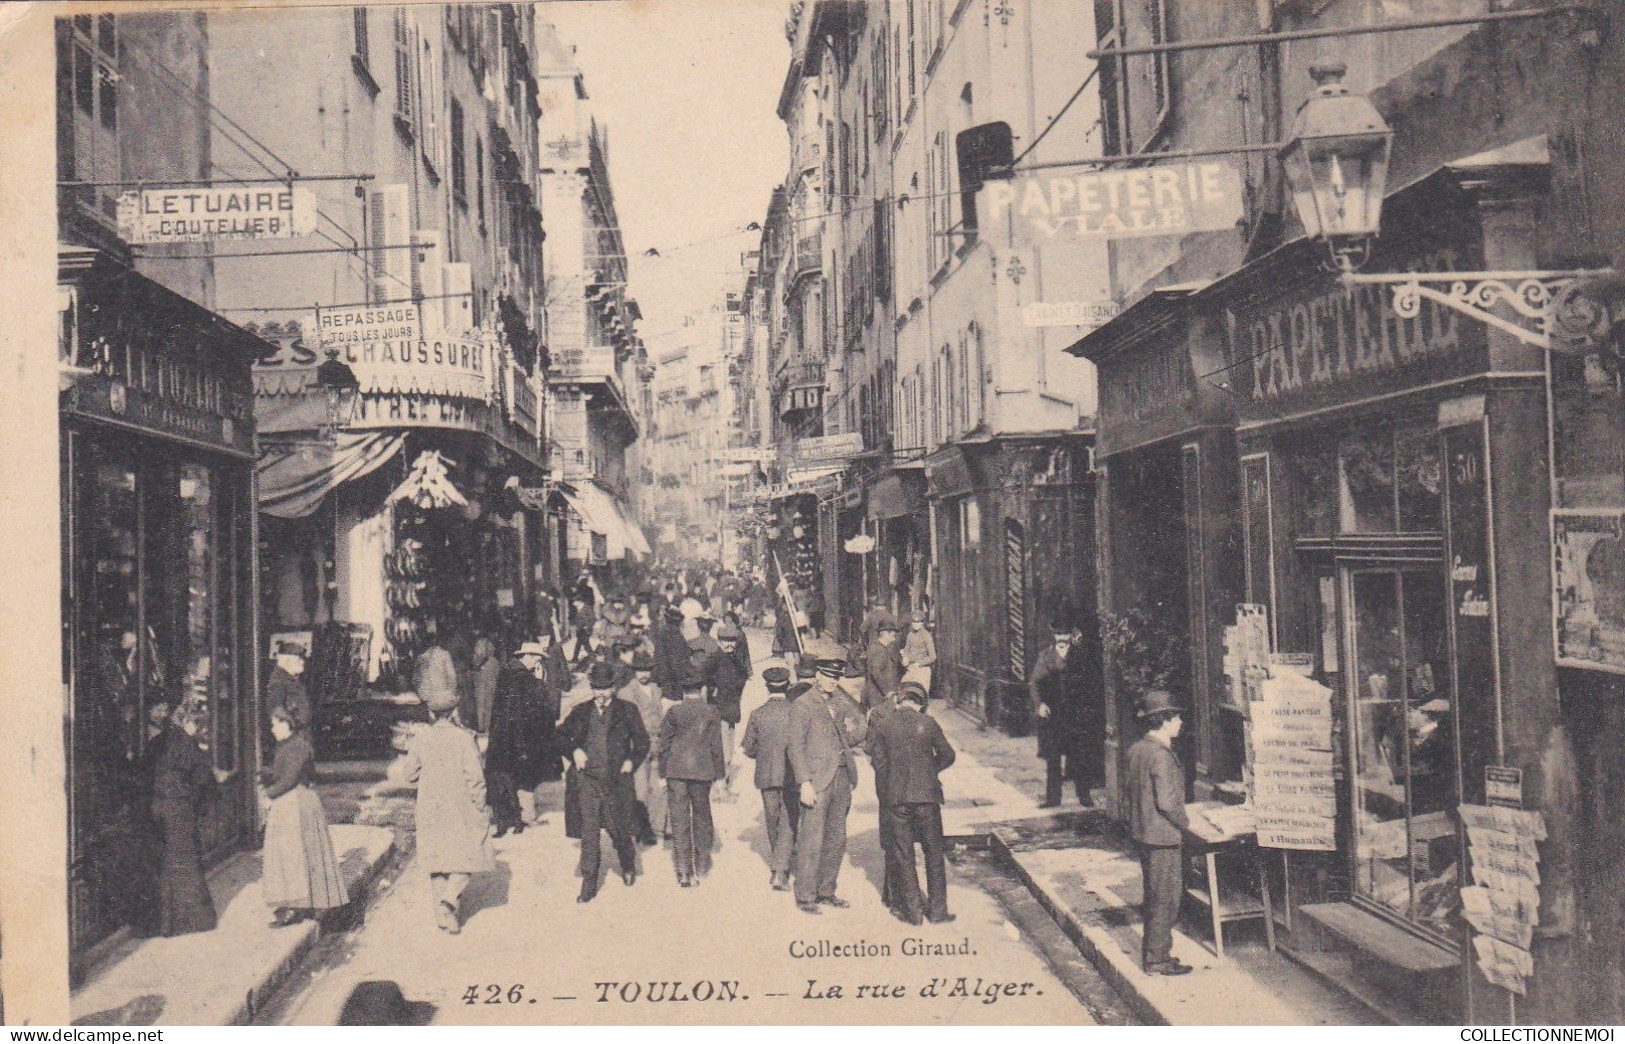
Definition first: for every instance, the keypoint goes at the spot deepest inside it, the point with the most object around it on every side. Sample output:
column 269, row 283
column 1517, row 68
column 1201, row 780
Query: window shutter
column 459, row 288
column 391, row 226
column 430, row 279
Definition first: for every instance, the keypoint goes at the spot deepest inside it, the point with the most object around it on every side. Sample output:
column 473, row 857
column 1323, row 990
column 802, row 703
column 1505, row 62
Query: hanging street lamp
column 1337, row 166
column 341, row 391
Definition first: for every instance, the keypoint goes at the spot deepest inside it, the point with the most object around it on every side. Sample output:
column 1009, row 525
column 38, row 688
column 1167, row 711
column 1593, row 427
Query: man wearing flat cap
column 909, row 751
column 825, row 726
column 767, row 740
column 1157, row 821
column 606, row 743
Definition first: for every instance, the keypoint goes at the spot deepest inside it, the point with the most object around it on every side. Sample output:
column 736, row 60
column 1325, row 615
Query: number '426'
column 494, row 994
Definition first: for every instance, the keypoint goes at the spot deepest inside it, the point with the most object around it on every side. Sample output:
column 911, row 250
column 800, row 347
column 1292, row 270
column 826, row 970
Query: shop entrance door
column 1401, row 746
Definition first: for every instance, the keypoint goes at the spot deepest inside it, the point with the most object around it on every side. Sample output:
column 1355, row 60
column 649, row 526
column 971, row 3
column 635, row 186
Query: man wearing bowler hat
column 1069, row 714
column 825, row 724
column 1156, row 816
column 607, row 744
column 883, row 665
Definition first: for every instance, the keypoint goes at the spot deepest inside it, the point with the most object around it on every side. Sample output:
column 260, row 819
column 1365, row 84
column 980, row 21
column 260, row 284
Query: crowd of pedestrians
column 652, row 746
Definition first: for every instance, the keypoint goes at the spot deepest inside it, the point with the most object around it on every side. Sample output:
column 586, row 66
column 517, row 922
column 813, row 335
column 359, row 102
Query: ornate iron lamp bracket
column 1546, row 309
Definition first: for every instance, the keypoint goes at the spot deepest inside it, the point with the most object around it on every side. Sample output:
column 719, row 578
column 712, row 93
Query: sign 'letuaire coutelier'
column 1124, row 204
column 202, row 215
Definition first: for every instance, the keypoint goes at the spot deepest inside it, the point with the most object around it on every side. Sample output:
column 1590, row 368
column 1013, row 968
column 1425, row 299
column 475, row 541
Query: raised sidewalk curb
column 223, row 977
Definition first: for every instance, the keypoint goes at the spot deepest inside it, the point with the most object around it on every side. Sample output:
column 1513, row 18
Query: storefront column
column 1103, row 581
column 34, row 814
column 1535, row 735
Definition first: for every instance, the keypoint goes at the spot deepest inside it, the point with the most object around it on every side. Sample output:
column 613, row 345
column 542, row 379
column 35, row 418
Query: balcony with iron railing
column 809, row 255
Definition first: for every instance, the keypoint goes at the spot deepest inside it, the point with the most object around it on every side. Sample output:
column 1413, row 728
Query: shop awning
column 602, row 514
column 897, row 495
column 294, row 478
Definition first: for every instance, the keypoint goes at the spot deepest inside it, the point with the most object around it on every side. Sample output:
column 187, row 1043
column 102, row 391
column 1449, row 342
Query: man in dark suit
column 1069, row 715
column 825, row 724
column 607, row 743
column 891, row 889
column 908, row 750
column 671, row 651
column 1156, row 818
column 725, row 677
column 691, row 760
column 883, row 663
column 767, row 740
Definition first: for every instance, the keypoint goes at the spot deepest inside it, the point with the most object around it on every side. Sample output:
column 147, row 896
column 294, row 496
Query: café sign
column 1165, row 200
column 205, row 215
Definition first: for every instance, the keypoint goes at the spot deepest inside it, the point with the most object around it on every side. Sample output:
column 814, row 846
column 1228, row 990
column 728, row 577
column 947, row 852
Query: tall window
column 1113, row 103
column 88, row 53
column 405, row 88
column 913, row 51
column 459, row 168
column 877, row 59
column 940, row 201
column 363, row 48
column 479, row 180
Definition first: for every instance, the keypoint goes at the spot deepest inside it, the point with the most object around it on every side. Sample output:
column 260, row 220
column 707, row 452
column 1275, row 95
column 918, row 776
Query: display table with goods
column 1221, row 843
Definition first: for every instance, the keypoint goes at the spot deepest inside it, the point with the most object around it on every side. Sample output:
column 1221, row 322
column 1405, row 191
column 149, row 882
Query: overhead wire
column 206, row 106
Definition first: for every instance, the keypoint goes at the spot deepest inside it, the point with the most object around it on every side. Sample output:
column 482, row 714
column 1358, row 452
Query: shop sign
column 342, row 327
column 829, row 447
column 948, row 473
column 1145, row 383
column 751, row 454
column 166, row 394
column 1169, row 200
column 582, row 363
column 1503, row 786
column 1069, row 313
column 206, row 215
column 1340, row 336
column 1588, row 596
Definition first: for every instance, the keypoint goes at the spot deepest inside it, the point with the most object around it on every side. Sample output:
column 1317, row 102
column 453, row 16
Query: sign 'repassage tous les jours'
column 1123, row 204
column 200, row 215
column 338, row 327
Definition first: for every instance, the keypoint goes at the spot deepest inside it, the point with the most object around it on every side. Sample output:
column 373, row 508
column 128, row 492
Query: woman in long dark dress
column 182, row 781
column 300, row 873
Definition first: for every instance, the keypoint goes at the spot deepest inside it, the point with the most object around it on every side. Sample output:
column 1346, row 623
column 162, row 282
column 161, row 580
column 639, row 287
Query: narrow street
column 729, row 951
